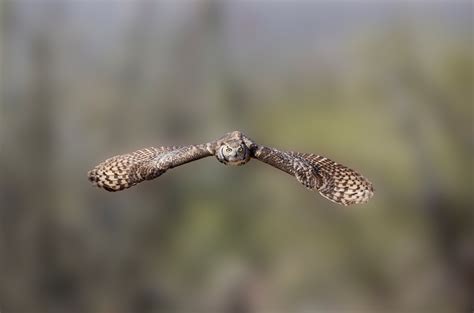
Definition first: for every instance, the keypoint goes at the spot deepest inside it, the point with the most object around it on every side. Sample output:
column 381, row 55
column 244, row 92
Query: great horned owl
column 333, row 181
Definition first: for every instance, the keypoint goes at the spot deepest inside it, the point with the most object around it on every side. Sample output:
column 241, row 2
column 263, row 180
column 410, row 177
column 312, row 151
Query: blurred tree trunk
column 444, row 214
column 131, row 77
column 31, row 203
column 55, row 288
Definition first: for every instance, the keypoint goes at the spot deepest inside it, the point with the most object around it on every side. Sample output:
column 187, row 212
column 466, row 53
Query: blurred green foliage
column 389, row 94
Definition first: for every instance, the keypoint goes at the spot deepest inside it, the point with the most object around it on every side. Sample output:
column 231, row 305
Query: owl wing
column 126, row 170
column 333, row 181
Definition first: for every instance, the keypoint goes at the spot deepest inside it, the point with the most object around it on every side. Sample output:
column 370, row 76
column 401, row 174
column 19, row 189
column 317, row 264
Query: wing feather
column 126, row 170
column 333, row 181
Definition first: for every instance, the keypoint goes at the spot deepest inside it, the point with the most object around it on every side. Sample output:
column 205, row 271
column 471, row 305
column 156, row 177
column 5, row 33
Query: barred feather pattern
column 333, row 181
column 126, row 170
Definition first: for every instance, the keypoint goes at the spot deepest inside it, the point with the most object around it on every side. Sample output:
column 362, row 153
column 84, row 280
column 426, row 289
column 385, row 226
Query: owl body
column 333, row 181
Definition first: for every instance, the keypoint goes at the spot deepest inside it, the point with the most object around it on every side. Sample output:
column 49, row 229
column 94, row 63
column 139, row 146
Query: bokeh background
column 384, row 87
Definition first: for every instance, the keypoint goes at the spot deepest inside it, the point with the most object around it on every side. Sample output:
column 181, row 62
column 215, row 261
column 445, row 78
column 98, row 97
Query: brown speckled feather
column 126, row 170
column 333, row 181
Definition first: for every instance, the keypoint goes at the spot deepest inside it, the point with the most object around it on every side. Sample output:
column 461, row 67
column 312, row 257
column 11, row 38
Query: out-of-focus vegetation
column 385, row 88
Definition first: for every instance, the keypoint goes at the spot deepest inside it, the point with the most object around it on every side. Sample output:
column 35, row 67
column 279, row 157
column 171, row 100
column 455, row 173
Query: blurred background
column 383, row 87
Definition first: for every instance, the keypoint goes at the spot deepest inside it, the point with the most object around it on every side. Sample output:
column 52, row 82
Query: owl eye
column 241, row 149
column 228, row 149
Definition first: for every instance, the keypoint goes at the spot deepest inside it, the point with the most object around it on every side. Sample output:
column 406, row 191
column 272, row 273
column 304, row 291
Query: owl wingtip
column 91, row 176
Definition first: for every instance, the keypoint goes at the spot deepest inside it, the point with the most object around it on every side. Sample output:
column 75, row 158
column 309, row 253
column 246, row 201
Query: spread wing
column 126, row 170
column 333, row 181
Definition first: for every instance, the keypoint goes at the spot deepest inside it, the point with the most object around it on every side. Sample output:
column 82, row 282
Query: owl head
column 233, row 152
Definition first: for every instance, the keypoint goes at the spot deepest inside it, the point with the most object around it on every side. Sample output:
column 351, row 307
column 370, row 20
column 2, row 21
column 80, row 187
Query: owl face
column 233, row 153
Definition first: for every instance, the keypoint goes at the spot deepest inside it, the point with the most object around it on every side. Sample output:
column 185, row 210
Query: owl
column 333, row 181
